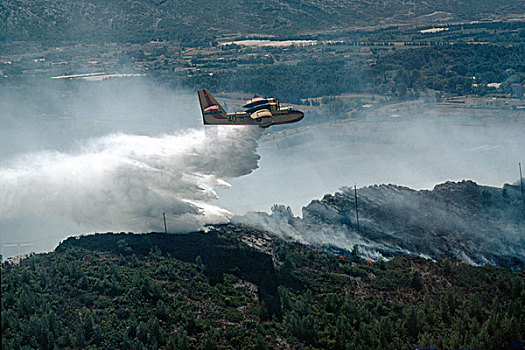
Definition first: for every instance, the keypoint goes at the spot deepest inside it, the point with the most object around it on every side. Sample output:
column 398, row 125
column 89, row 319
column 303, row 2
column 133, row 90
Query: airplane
column 263, row 112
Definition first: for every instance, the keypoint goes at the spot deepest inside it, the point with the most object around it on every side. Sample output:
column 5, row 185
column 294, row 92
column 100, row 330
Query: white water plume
column 125, row 182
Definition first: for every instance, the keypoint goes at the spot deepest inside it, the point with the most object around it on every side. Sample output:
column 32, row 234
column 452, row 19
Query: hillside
column 145, row 20
column 236, row 287
column 460, row 220
column 298, row 50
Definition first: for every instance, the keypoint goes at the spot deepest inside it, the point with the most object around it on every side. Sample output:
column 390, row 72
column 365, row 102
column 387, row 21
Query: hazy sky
column 416, row 150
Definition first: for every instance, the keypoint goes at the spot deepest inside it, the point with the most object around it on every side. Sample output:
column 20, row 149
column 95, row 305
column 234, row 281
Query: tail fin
column 209, row 106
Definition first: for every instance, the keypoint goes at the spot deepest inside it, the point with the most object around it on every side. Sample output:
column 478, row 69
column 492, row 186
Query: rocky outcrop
column 461, row 220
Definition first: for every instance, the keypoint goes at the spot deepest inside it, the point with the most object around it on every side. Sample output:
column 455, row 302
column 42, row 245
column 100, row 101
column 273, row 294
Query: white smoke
column 125, row 182
column 472, row 223
column 320, row 235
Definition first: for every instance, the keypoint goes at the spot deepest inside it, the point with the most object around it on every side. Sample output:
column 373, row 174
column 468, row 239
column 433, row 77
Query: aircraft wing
column 261, row 113
column 255, row 101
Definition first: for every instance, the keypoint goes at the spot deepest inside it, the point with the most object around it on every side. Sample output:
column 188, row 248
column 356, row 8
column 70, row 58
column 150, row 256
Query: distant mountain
column 191, row 20
column 465, row 221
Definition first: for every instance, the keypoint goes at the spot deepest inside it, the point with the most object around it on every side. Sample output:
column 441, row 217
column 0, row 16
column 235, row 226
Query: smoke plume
column 462, row 220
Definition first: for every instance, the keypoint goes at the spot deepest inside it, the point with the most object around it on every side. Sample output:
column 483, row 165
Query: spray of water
column 125, row 182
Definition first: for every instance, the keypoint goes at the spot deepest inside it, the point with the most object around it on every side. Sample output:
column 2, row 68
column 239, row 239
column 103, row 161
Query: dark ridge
column 218, row 255
column 127, row 291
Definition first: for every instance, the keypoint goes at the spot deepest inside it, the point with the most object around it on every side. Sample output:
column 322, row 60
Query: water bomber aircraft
column 263, row 112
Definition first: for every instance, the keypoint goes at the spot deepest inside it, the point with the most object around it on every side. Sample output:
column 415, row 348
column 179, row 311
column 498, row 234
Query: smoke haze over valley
column 115, row 155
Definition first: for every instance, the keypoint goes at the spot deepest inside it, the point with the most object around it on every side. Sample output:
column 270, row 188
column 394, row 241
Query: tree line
column 104, row 292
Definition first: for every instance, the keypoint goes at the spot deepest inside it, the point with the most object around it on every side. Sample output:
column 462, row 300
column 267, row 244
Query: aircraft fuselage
column 285, row 116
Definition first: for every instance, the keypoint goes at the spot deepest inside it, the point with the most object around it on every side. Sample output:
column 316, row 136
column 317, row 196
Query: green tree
column 142, row 332
column 178, row 341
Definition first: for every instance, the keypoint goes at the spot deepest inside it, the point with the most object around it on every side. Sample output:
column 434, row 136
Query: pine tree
column 142, row 332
